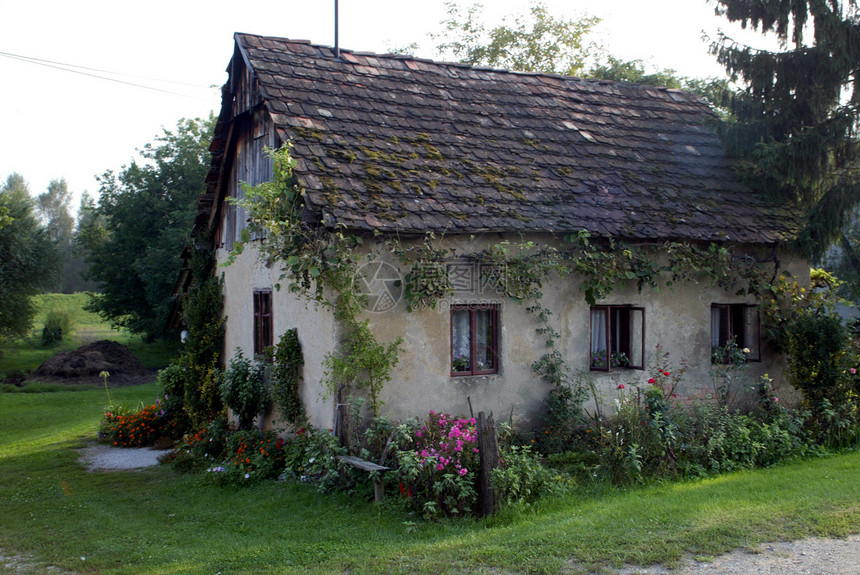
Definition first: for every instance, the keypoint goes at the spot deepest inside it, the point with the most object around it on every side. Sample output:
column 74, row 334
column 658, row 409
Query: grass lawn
column 27, row 353
column 159, row 522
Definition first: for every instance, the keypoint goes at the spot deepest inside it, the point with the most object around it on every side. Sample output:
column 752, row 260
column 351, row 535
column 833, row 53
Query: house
column 391, row 147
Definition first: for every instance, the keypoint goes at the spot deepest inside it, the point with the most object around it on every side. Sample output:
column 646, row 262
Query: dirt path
column 813, row 556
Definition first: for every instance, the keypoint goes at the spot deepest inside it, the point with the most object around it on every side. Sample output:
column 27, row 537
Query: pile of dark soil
column 83, row 366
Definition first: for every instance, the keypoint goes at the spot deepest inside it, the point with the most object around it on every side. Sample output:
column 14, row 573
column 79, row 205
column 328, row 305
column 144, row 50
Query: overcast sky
column 172, row 55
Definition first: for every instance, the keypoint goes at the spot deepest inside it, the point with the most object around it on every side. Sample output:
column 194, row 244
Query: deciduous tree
column 538, row 42
column 135, row 236
column 28, row 258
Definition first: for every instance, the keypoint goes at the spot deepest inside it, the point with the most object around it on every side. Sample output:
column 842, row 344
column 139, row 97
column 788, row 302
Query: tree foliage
column 611, row 68
column 538, row 42
column 28, row 258
column 53, row 207
column 541, row 42
column 202, row 357
column 794, row 123
column 134, row 237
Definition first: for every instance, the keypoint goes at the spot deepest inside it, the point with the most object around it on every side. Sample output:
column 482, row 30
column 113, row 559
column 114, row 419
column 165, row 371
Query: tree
column 53, row 209
column 134, row 237
column 612, row 68
column 538, row 42
column 793, row 125
column 28, row 258
column 843, row 259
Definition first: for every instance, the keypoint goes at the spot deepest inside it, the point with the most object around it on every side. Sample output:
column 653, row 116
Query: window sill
column 474, row 378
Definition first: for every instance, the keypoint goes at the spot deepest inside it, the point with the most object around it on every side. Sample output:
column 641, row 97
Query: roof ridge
column 463, row 65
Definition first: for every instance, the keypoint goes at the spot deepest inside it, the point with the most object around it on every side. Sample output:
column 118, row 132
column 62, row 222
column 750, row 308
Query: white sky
column 60, row 124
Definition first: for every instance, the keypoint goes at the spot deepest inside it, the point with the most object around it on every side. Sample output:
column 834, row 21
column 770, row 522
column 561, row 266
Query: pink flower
column 776, row 399
column 852, row 371
column 620, row 386
column 463, row 472
column 652, row 381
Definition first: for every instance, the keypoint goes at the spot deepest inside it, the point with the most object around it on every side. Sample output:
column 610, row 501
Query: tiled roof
column 394, row 143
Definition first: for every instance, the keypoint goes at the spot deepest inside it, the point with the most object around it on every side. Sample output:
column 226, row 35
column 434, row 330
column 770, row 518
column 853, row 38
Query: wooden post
column 489, row 456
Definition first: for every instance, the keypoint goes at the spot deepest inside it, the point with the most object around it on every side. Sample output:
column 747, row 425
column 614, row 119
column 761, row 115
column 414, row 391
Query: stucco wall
column 677, row 318
column 315, row 325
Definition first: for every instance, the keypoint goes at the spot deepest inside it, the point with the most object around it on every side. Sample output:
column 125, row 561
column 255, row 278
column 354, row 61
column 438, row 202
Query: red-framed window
column 263, row 328
column 617, row 337
column 738, row 323
column 474, row 339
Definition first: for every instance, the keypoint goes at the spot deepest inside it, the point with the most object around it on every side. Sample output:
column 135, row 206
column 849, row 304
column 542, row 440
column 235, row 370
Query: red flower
column 652, row 381
column 620, row 386
column 666, row 373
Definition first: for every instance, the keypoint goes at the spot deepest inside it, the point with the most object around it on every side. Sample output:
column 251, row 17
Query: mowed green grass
column 160, row 522
column 27, row 353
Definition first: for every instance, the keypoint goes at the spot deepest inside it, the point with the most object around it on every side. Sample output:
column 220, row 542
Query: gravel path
column 100, row 457
column 814, row 556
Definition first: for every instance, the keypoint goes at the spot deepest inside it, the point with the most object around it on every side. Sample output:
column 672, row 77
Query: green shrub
column 311, row 457
column 202, row 449
column 250, row 456
column 819, row 359
column 285, row 377
column 563, row 408
column 58, row 324
column 522, row 478
column 243, row 389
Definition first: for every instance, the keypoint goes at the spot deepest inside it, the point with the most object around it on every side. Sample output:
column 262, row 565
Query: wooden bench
column 370, row 467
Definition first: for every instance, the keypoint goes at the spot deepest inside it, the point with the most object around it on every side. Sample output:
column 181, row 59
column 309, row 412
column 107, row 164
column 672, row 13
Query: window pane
column 715, row 326
column 460, row 348
column 484, row 340
column 599, row 341
column 752, row 337
column 637, row 335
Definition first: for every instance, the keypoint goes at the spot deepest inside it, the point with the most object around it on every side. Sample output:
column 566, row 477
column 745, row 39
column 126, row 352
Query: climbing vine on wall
column 286, row 376
column 322, row 265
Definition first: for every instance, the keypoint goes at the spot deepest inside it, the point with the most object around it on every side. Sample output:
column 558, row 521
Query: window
column 738, row 322
column 617, row 337
column 474, row 340
column 263, row 332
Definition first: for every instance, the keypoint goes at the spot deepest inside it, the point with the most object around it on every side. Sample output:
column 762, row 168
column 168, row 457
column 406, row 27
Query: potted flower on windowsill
column 461, row 363
column 619, row 359
column 598, row 359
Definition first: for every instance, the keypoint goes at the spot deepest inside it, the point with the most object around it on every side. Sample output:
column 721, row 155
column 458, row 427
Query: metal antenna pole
column 336, row 45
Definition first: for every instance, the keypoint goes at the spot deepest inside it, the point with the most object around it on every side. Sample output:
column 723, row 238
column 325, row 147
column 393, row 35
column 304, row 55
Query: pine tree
column 794, row 124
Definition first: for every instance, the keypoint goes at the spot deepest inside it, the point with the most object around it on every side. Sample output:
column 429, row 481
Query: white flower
column 247, row 475
column 746, row 350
